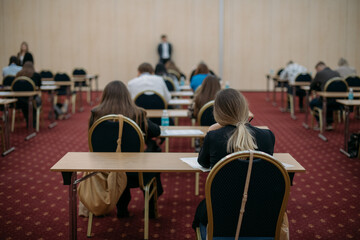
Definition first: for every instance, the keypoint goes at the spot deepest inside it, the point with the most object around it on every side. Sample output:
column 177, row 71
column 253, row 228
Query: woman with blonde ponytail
column 231, row 133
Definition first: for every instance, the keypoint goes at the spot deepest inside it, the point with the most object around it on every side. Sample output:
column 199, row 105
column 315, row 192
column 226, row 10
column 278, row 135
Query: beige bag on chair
column 100, row 193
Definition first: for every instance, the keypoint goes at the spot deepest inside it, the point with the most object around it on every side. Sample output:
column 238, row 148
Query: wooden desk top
column 182, row 94
column 47, row 79
column 58, row 83
column 49, row 87
column 185, row 101
column 18, row 94
column 306, row 88
column 7, row 101
column 355, row 88
column 185, row 88
column 349, row 102
column 157, row 113
column 337, row 94
column 300, row 84
column 140, row 162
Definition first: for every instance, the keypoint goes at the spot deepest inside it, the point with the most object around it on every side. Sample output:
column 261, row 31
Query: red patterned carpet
column 324, row 202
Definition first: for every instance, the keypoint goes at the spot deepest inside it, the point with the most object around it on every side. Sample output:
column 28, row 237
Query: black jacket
column 321, row 78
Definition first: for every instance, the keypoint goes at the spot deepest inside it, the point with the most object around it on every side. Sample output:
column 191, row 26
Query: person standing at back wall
column 24, row 55
column 164, row 50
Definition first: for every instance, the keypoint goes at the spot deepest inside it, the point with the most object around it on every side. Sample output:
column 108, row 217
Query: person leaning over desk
column 116, row 99
column 231, row 133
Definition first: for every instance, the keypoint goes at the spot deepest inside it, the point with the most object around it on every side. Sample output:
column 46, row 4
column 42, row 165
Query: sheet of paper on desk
column 178, row 101
column 192, row 162
column 182, row 132
column 286, row 165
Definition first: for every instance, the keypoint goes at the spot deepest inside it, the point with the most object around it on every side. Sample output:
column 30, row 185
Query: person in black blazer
column 164, row 50
column 116, row 99
column 24, row 55
column 231, row 133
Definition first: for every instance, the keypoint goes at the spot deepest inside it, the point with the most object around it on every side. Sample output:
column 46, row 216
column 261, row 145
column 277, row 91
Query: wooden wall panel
column 113, row 37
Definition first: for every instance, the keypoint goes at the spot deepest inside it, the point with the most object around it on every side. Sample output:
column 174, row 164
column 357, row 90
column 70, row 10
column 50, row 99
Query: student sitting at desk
column 231, row 133
column 116, row 99
column 200, row 74
column 209, row 88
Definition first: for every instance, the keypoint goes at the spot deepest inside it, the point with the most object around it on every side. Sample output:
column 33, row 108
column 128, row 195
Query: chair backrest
column 336, row 84
column 150, row 99
column 169, row 83
column 61, row 77
column 205, row 115
column 23, row 83
column 46, row 74
column 104, row 133
column 79, row 71
column 268, row 194
column 175, row 73
column 353, row 81
column 8, row 79
column 279, row 71
column 303, row 77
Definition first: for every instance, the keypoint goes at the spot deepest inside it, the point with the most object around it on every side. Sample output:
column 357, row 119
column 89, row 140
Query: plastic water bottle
column 227, row 85
column 351, row 94
column 165, row 120
column 182, row 81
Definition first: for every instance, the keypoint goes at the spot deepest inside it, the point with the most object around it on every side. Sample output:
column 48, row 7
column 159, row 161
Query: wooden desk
column 355, row 89
column 185, row 88
column 74, row 162
column 184, row 102
column 30, row 96
column 69, row 86
column 51, row 89
column 6, row 127
column 324, row 96
column 92, row 77
column 347, row 104
column 80, row 79
column 176, row 113
column 277, row 80
column 182, row 94
column 293, row 89
column 307, row 91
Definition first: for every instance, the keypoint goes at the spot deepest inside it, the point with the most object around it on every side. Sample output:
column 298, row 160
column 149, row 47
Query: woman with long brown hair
column 209, row 88
column 231, row 133
column 116, row 99
column 201, row 72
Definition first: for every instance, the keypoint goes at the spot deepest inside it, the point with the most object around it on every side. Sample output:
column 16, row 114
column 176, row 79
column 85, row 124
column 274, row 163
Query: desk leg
column 166, row 144
column 274, row 93
column 282, row 109
column 305, row 124
column 346, row 135
column 6, row 143
column 30, row 120
column 97, row 88
column 81, row 108
column 267, row 88
column 91, row 91
column 293, row 88
column 53, row 123
column 323, row 121
column 72, row 207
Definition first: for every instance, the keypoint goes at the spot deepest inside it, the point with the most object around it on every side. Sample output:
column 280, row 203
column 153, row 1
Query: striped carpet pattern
column 324, row 201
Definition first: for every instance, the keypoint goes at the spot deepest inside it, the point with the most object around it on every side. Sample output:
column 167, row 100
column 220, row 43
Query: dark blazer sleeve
column 316, row 83
column 159, row 50
column 204, row 154
column 28, row 58
column 153, row 130
column 170, row 49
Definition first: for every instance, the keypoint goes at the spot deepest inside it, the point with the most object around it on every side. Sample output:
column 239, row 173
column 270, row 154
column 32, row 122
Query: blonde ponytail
column 241, row 139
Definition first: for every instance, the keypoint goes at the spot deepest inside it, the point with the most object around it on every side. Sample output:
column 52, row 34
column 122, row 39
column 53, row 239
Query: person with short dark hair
column 146, row 80
column 12, row 69
column 24, row 55
column 164, row 50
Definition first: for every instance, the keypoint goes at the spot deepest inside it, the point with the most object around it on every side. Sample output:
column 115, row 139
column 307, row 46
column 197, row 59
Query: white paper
column 181, row 132
column 286, row 165
column 192, row 162
column 179, row 101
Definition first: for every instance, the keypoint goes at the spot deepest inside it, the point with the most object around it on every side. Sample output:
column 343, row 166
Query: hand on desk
column 215, row 126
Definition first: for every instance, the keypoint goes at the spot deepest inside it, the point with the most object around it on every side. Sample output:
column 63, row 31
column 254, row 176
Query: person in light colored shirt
column 164, row 50
column 146, row 80
column 12, row 69
column 344, row 69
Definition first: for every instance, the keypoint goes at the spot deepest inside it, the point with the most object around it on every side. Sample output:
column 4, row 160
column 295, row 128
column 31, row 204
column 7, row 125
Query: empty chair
column 301, row 77
column 267, row 196
column 353, row 81
column 65, row 90
column 81, row 73
column 46, row 74
column 7, row 81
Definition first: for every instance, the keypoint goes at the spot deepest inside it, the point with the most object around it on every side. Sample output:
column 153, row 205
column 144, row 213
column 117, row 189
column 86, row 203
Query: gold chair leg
column 88, row 233
column 38, row 119
column 88, row 96
column 197, row 176
column 73, row 103
column 55, row 99
column 13, row 120
column 146, row 213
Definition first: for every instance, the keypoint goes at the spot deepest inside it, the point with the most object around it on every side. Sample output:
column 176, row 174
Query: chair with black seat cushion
column 169, row 83
column 65, row 90
column 335, row 84
column 46, row 74
column 103, row 136
column 7, row 81
column 267, row 197
column 151, row 100
column 81, row 73
column 205, row 115
column 301, row 77
column 25, row 84
column 353, row 81
column 174, row 73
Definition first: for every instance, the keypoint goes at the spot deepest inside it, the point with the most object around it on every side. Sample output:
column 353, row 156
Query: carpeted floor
column 324, row 201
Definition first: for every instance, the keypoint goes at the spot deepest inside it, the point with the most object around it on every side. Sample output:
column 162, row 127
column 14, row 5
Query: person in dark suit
column 323, row 74
column 231, row 133
column 164, row 50
column 116, row 99
column 24, row 55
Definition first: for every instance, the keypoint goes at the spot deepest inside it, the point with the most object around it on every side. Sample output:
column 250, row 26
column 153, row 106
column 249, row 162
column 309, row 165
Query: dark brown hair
column 146, row 67
column 207, row 92
column 116, row 99
column 27, row 70
column 201, row 69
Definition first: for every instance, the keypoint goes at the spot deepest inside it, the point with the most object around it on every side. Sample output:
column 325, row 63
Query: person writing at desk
column 231, row 133
column 116, row 99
